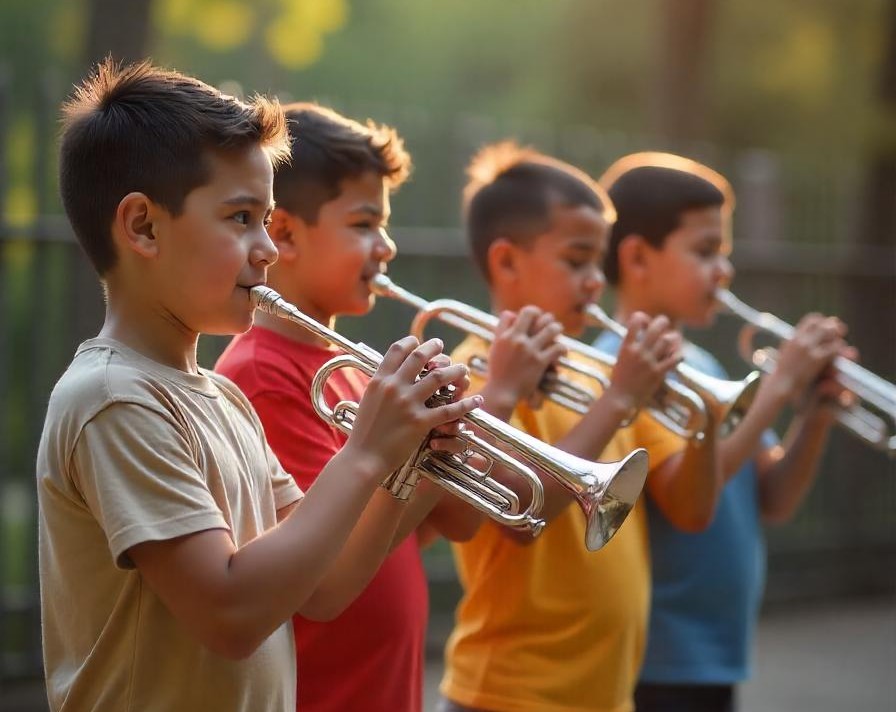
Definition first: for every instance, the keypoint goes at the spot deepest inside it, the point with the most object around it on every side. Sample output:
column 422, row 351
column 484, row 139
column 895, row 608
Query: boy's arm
column 232, row 598
column 787, row 472
column 686, row 485
column 801, row 360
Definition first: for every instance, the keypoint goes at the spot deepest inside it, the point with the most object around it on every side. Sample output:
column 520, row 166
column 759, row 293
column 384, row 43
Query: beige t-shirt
column 133, row 451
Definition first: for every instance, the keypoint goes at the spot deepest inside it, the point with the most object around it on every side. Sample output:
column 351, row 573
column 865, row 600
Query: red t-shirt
column 371, row 657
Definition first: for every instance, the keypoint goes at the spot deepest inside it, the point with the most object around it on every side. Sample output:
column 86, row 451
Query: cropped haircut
column 651, row 191
column 327, row 149
column 139, row 128
column 511, row 191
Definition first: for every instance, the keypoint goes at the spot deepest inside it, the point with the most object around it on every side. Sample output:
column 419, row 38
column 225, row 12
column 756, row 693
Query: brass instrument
column 606, row 492
column 474, row 321
column 728, row 401
column 681, row 412
column 872, row 419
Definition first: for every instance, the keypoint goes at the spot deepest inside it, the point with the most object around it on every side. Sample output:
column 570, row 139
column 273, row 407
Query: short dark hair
column 328, row 148
column 651, row 191
column 140, row 128
column 511, row 191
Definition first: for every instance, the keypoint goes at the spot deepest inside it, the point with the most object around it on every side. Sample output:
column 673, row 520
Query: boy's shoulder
column 104, row 372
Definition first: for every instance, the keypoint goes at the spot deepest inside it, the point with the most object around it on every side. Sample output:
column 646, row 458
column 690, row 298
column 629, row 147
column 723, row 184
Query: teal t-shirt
column 707, row 587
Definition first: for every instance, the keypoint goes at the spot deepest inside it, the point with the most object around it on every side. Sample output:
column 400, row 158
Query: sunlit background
column 795, row 102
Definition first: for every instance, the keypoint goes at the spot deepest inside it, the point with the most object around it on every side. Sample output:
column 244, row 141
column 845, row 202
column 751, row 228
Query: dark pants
column 650, row 697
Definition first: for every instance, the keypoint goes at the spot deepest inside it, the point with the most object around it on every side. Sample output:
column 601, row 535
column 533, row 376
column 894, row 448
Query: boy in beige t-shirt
column 172, row 549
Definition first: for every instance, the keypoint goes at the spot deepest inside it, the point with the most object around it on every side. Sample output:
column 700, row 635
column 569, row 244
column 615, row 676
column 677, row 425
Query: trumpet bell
column 608, row 504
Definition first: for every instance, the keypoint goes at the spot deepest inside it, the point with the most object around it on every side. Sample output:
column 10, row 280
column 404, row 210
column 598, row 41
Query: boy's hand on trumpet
column 804, row 363
column 394, row 415
column 524, row 348
column 649, row 350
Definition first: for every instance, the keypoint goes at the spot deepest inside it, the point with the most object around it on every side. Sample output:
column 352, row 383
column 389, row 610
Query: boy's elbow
column 692, row 523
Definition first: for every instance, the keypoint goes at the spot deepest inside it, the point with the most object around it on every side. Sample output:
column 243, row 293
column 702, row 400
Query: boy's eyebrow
column 370, row 209
column 582, row 246
column 249, row 200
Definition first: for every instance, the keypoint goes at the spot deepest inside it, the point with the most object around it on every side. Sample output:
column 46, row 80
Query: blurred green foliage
column 781, row 75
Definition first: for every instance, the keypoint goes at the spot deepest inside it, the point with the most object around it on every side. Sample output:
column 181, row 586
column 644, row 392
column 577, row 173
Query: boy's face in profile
column 682, row 277
column 338, row 256
column 560, row 271
column 217, row 247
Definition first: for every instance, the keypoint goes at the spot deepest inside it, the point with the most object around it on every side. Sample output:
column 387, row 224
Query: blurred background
column 795, row 102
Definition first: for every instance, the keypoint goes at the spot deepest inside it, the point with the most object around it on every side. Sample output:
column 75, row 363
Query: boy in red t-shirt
column 329, row 227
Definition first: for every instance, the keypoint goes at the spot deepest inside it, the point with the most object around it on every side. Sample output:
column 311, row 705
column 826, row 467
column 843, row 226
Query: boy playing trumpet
column 333, row 205
column 174, row 548
column 545, row 625
column 668, row 255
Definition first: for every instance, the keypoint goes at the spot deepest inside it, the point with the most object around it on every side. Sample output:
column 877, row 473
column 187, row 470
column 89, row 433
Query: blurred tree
column 679, row 95
column 119, row 29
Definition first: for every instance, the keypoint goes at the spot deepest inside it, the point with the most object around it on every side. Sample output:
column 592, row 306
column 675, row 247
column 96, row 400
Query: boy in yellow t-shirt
column 545, row 625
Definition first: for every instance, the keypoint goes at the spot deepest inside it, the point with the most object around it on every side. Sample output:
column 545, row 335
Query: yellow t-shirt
column 550, row 626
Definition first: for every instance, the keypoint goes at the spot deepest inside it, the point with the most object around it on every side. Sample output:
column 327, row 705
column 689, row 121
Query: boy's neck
column 151, row 334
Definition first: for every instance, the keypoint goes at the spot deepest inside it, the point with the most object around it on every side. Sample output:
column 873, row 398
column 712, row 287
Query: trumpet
column 681, row 411
column 727, row 401
column 474, row 321
column 872, row 419
column 605, row 492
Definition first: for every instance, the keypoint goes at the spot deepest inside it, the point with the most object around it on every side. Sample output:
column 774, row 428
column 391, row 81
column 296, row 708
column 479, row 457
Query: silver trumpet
column 872, row 419
column 727, row 401
column 681, row 412
column 474, row 321
column 606, row 492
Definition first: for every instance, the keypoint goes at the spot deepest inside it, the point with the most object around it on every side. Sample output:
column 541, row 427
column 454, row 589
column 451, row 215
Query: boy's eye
column 242, row 217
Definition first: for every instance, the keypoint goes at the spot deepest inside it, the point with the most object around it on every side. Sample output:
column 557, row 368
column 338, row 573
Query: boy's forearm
column 787, row 473
column 233, row 599
column 742, row 444
column 687, row 485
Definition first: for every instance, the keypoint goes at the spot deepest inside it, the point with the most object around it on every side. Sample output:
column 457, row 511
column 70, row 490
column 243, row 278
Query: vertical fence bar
column 4, row 360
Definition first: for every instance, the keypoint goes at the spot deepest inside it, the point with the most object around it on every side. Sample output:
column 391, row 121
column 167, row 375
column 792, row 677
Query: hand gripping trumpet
column 681, row 412
column 872, row 420
column 606, row 492
column 728, row 401
column 474, row 321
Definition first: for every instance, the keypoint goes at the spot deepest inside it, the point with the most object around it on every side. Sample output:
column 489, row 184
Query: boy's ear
column 502, row 260
column 136, row 224
column 285, row 230
column 633, row 256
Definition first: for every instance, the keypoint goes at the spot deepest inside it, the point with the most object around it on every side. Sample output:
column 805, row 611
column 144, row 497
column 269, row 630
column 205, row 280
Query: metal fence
column 842, row 541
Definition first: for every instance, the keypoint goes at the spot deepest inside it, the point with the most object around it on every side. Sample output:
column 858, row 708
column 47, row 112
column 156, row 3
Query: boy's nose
column 595, row 281
column 264, row 251
column 725, row 270
column 385, row 249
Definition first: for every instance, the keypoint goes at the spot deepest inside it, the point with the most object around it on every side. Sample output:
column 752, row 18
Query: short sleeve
column 137, row 470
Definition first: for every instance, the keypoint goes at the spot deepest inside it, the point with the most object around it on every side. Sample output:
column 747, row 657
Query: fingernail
column 478, row 400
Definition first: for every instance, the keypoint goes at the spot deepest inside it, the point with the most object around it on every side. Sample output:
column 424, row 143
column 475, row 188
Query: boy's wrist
column 365, row 464
column 620, row 404
column 498, row 400
column 780, row 389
